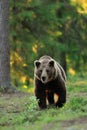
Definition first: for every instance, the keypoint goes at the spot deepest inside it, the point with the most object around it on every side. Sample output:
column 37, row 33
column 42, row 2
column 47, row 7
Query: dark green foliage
column 55, row 28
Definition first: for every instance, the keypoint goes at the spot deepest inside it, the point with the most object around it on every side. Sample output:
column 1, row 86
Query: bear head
column 45, row 70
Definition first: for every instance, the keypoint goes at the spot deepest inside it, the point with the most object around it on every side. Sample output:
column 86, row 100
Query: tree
column 5, row 85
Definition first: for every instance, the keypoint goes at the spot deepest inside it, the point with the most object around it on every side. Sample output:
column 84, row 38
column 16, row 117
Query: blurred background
column 47, row 27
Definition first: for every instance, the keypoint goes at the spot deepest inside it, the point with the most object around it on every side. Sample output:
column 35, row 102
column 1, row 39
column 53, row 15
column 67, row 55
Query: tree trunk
column 5, row 85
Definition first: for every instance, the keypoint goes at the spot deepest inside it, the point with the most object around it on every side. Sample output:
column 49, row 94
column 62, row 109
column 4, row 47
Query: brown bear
column 49, row 79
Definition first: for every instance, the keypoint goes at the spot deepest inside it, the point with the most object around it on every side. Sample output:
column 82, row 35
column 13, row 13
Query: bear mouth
column 43, row 80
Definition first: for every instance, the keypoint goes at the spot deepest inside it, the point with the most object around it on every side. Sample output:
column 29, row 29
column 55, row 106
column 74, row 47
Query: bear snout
column 43, row 78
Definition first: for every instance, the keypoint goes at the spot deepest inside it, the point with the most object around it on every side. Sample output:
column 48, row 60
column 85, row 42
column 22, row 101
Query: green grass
column 20, row 111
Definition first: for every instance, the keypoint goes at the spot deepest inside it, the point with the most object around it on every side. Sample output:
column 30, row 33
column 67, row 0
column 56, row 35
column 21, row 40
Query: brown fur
column 50, row 80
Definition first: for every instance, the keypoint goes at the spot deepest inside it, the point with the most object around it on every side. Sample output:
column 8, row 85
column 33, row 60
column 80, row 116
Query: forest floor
column 19, row 111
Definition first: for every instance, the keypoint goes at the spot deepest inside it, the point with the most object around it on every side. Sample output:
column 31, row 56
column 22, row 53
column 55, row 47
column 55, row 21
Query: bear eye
column 47, row 71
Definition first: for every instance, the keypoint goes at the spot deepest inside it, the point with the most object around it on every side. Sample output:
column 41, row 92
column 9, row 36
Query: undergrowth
column 23, row 113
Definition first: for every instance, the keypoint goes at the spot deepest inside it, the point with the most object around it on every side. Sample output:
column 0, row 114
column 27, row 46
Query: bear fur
column 49, row 79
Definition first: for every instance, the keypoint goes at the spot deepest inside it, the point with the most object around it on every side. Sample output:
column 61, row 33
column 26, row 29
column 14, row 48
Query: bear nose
column 43, row 78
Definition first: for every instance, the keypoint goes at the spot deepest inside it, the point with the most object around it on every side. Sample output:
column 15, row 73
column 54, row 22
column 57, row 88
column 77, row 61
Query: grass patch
column 20, row 111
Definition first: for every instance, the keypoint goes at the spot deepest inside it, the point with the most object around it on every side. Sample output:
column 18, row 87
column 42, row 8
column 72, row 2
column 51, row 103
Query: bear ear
column 37, row 63
column 51, row 63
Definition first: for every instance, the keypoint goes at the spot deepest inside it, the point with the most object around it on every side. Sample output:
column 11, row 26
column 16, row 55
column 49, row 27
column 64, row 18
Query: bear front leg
column 41, row 97
column 61, row 101
column 62, row 97
column 61, row 92
column 50, row 97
